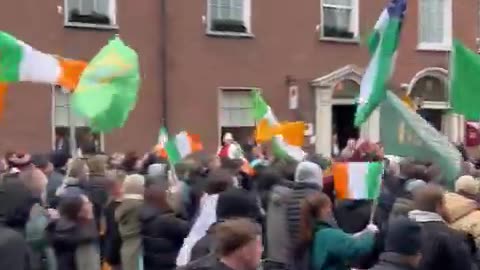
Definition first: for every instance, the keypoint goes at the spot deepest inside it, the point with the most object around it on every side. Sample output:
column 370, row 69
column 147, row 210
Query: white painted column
column 452, row 128
column 323, row 122
column 371, row 128
column 461, row 129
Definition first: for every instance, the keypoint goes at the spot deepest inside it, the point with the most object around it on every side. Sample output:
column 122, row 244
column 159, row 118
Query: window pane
column 87, row 7
column 432, row 21
column 338, row 2
column 102, row 7
column 73, row 4
column 336, row 23
column 227, row 9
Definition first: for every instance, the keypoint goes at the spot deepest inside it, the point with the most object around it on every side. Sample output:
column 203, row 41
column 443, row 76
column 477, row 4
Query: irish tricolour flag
column 357, row 180
column 382, row 45
column 281, row 149
column 182, row 145
column 20, row 63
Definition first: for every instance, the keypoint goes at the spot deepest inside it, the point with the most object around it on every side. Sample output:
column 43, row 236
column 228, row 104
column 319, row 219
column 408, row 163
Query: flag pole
column 375, row 201
column 71, row 126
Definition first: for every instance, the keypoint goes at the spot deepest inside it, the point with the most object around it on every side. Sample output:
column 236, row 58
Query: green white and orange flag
column 162, row 140
column 182, row 145
column 19, row 62
column 280, row 146
column 357, row 180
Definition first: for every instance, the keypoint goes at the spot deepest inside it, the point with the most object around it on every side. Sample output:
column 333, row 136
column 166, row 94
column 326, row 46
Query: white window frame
column 355, row 21
column 446, row 45
column 247, row 19
column 112, row 14
column 56, row 88
column 223, row 90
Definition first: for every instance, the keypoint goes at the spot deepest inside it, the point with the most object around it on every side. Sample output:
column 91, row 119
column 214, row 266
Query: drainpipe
column 163, row 61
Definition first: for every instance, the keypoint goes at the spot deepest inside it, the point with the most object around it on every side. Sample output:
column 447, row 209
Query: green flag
column 108, row 87
column 260, row 107
column 172, row 151
column 465, row 81
column 404, row 133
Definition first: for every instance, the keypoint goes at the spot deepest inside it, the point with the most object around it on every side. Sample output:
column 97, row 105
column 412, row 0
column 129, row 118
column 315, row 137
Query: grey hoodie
column 309, row 172
column 278, row 240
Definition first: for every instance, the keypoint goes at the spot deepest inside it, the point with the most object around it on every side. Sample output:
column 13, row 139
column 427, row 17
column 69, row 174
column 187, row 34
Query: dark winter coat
column 353, row 216
column 16, row 200
column 162, row 235
column 66, row 237
column 392, row 261
column 14, row 250
column 113, row 241
column 299, row 192
column 443, row 248
column 55, row 180
column 96, row 190
column 401, row 207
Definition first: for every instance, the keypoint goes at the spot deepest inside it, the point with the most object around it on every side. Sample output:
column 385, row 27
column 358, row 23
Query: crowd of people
column 124, row 212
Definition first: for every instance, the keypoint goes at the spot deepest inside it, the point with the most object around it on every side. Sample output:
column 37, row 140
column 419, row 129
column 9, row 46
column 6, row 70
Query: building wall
column 26, row 123
column 285, row 43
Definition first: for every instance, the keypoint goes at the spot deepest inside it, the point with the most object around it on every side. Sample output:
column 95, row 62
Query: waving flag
column 21, row 63
column 108, row 88
column 182, row 145
column 281, row 148
column 383, row 46
column 465, row 68
column 159, row 149
column 357, row 180
column 405, row 133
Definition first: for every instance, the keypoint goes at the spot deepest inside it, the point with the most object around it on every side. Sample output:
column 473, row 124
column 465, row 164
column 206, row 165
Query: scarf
column 424, row 216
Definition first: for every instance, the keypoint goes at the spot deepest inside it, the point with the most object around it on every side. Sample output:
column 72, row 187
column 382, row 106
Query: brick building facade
column 199, row 59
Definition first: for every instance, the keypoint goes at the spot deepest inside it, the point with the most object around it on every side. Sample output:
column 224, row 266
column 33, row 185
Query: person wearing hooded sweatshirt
column 277, row 245
column 127, row 215
column 308, row 179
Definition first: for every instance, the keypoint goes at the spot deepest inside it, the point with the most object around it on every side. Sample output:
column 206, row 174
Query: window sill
column 434, row 47
column 90, row 26
column 341, row 40
column 229, row 34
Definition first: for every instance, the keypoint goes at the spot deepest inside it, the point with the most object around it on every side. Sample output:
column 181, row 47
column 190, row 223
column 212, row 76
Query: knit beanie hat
column 403, row 237
column 467, row 184
column 134, row 185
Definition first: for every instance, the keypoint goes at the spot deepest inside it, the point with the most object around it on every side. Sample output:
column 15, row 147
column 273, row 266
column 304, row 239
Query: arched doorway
column 343, row 111
column 430, row 91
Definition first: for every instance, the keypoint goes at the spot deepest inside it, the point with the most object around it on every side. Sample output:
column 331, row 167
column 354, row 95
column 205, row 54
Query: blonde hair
column 77, row 168
column 97, row 164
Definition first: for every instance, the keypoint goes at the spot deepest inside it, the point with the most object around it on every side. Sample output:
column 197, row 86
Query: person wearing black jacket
column 162, row 231
column 443, row 248
column 74, row 236
column 14, row 250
